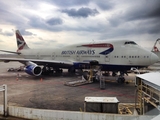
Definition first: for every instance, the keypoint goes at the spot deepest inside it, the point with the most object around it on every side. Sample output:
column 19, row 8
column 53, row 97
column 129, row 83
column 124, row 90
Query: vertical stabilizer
column 21, row 44
column 155, row 48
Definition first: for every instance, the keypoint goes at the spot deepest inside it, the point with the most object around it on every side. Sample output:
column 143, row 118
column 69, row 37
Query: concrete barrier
column 42, row 114
column 1, row 110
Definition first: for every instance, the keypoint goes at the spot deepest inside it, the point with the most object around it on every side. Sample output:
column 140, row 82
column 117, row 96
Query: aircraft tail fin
column 155, row 48
column 21, row 44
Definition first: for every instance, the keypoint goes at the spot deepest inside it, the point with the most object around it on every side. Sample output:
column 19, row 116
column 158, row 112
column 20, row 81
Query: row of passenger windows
column 130, row 56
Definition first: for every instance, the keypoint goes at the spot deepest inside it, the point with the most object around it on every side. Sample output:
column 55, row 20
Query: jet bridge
column 147, row 100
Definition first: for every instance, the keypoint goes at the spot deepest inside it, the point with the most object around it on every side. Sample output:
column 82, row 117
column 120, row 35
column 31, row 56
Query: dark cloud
column 45, row 24
column 142, row 17
column 144, row 10
column 54, row 21
column 68, row 3
column 105, row 4
column 82, row 12
column 132, row 28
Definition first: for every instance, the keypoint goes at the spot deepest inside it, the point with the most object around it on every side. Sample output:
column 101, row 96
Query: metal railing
column 3, row 88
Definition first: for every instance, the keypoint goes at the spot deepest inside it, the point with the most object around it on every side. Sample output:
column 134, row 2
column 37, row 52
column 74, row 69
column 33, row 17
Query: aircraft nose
column 154, row 58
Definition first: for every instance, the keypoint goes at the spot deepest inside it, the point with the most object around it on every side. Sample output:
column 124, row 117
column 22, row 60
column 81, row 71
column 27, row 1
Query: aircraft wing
column 38, row 61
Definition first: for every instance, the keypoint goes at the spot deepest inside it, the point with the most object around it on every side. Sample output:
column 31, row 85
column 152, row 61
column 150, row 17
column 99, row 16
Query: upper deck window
column 130, row 42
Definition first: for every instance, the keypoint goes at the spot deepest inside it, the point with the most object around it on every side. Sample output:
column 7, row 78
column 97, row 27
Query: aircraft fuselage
column 111, row 55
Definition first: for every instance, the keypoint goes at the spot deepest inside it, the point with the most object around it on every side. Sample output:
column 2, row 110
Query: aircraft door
column 107, row 58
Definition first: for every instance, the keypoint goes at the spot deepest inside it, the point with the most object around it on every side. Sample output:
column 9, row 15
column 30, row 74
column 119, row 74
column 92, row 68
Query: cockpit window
column 130, row 42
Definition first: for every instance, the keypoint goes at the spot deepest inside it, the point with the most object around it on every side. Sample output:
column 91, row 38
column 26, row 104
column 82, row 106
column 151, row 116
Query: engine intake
column 33, row 69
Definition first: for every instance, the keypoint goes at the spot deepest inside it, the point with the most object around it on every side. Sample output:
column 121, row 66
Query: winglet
column 21, row 44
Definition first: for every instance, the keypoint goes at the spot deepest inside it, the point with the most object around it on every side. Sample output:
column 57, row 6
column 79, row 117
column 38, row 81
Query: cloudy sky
column 55, row 23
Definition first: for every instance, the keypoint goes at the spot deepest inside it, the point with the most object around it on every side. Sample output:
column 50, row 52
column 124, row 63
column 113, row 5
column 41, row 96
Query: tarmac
column 49, row 92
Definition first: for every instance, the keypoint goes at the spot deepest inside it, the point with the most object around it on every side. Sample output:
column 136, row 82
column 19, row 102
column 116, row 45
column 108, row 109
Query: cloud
column 82, row 12
column 45, row 24
column 46, row 42
column 103, row 19
column 105, row 4
column 68, row 3
column 145, row 10
column 24, row 32
column 138, row 18
column 6, row 33
column 54, row 21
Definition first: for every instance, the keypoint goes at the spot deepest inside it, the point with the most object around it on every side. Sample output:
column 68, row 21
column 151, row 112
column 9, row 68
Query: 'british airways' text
column 79, row 52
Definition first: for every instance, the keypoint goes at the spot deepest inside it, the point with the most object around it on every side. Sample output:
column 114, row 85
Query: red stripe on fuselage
column 100, row 45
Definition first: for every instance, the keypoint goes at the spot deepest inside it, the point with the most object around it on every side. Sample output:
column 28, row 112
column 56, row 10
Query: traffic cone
column 41, row 79
column 17, row 77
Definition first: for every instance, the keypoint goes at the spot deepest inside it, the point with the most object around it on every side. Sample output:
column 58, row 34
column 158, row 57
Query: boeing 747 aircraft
column 118, row 55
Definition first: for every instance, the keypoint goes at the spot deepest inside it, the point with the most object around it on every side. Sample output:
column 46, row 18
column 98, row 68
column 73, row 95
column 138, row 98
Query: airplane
column 156, row 47
column 115, row 55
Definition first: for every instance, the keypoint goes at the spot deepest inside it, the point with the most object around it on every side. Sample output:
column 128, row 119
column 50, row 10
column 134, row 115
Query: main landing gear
column 50, row 71
column 121, row 78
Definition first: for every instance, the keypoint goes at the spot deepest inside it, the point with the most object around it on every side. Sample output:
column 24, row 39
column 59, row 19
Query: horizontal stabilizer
column 10, row 52
column 38, row 61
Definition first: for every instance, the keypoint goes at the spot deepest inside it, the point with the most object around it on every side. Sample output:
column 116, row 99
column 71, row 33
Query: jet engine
column 33, row 69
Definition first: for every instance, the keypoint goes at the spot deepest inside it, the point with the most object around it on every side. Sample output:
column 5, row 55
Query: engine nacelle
column 33, row 69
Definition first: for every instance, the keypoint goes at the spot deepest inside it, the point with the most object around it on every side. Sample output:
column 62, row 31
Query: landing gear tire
column 121, row 80
column 71, row 70
column 59, row 71
column 45, row 70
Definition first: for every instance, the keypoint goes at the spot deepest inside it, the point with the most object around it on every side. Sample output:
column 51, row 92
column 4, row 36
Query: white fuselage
column 111, row 55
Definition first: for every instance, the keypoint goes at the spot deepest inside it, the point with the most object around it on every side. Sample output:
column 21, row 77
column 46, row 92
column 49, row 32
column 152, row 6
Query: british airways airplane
column 120, row 55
